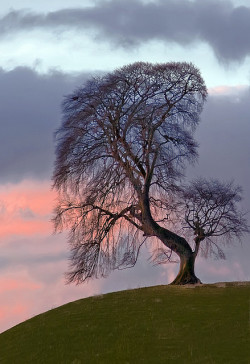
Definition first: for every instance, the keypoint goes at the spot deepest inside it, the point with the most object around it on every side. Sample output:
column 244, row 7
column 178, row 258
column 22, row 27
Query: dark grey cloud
column 29, row 114
column 223, row 136
column 219, row 23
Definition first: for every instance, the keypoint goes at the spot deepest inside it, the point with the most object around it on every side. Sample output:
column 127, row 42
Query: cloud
column 30, row 114
column 226, row 91
column 220, row 24
column 14, row 284
column 25, row 208
column 224, row 136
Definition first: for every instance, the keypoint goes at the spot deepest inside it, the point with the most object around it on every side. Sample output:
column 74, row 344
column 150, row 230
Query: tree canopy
column 122, row 149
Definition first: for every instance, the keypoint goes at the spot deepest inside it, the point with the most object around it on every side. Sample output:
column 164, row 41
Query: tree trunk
column 173, row 241
column 186, row 273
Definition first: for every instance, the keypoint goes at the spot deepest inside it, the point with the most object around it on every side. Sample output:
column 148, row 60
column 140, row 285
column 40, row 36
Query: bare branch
column 211, row 210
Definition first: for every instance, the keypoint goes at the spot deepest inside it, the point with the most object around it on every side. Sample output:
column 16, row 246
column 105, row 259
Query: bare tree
column 121, row 152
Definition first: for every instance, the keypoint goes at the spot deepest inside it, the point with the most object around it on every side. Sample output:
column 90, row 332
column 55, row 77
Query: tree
column 124, row 142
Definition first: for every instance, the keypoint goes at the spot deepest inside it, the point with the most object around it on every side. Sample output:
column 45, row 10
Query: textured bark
column 186, row 273
column 174, row 242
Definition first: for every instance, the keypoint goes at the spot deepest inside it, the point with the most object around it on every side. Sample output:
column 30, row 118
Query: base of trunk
column 181, row 280
column 186, row 273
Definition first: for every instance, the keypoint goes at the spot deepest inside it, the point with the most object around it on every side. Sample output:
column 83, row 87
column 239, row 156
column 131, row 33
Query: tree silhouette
column 121, row 152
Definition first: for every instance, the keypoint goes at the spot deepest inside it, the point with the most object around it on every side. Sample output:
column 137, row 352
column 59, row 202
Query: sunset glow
column 26, row 209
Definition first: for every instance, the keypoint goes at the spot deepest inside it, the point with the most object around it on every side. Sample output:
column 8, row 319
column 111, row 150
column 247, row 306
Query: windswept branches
column 211, row 210
column 134, row 121
column 121, row 151
column 100, row 240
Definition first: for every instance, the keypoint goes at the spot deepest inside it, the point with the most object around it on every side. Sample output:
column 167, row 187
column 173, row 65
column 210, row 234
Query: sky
column 47, row 49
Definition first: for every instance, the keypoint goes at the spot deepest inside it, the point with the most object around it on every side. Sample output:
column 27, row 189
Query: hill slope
column 162, row 324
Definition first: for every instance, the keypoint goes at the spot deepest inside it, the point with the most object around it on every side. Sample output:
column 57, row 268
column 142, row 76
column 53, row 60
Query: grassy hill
column 162, row 324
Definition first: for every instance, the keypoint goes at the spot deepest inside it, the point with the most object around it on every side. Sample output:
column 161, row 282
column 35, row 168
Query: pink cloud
column 24, row 228
column 16, row 312
column 16, row 289
column 15, row 306
column 26, row 208
column 17, row 285
column 227, row 90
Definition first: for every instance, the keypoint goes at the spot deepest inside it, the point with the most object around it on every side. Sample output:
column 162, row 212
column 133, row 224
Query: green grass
column 162, row 324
